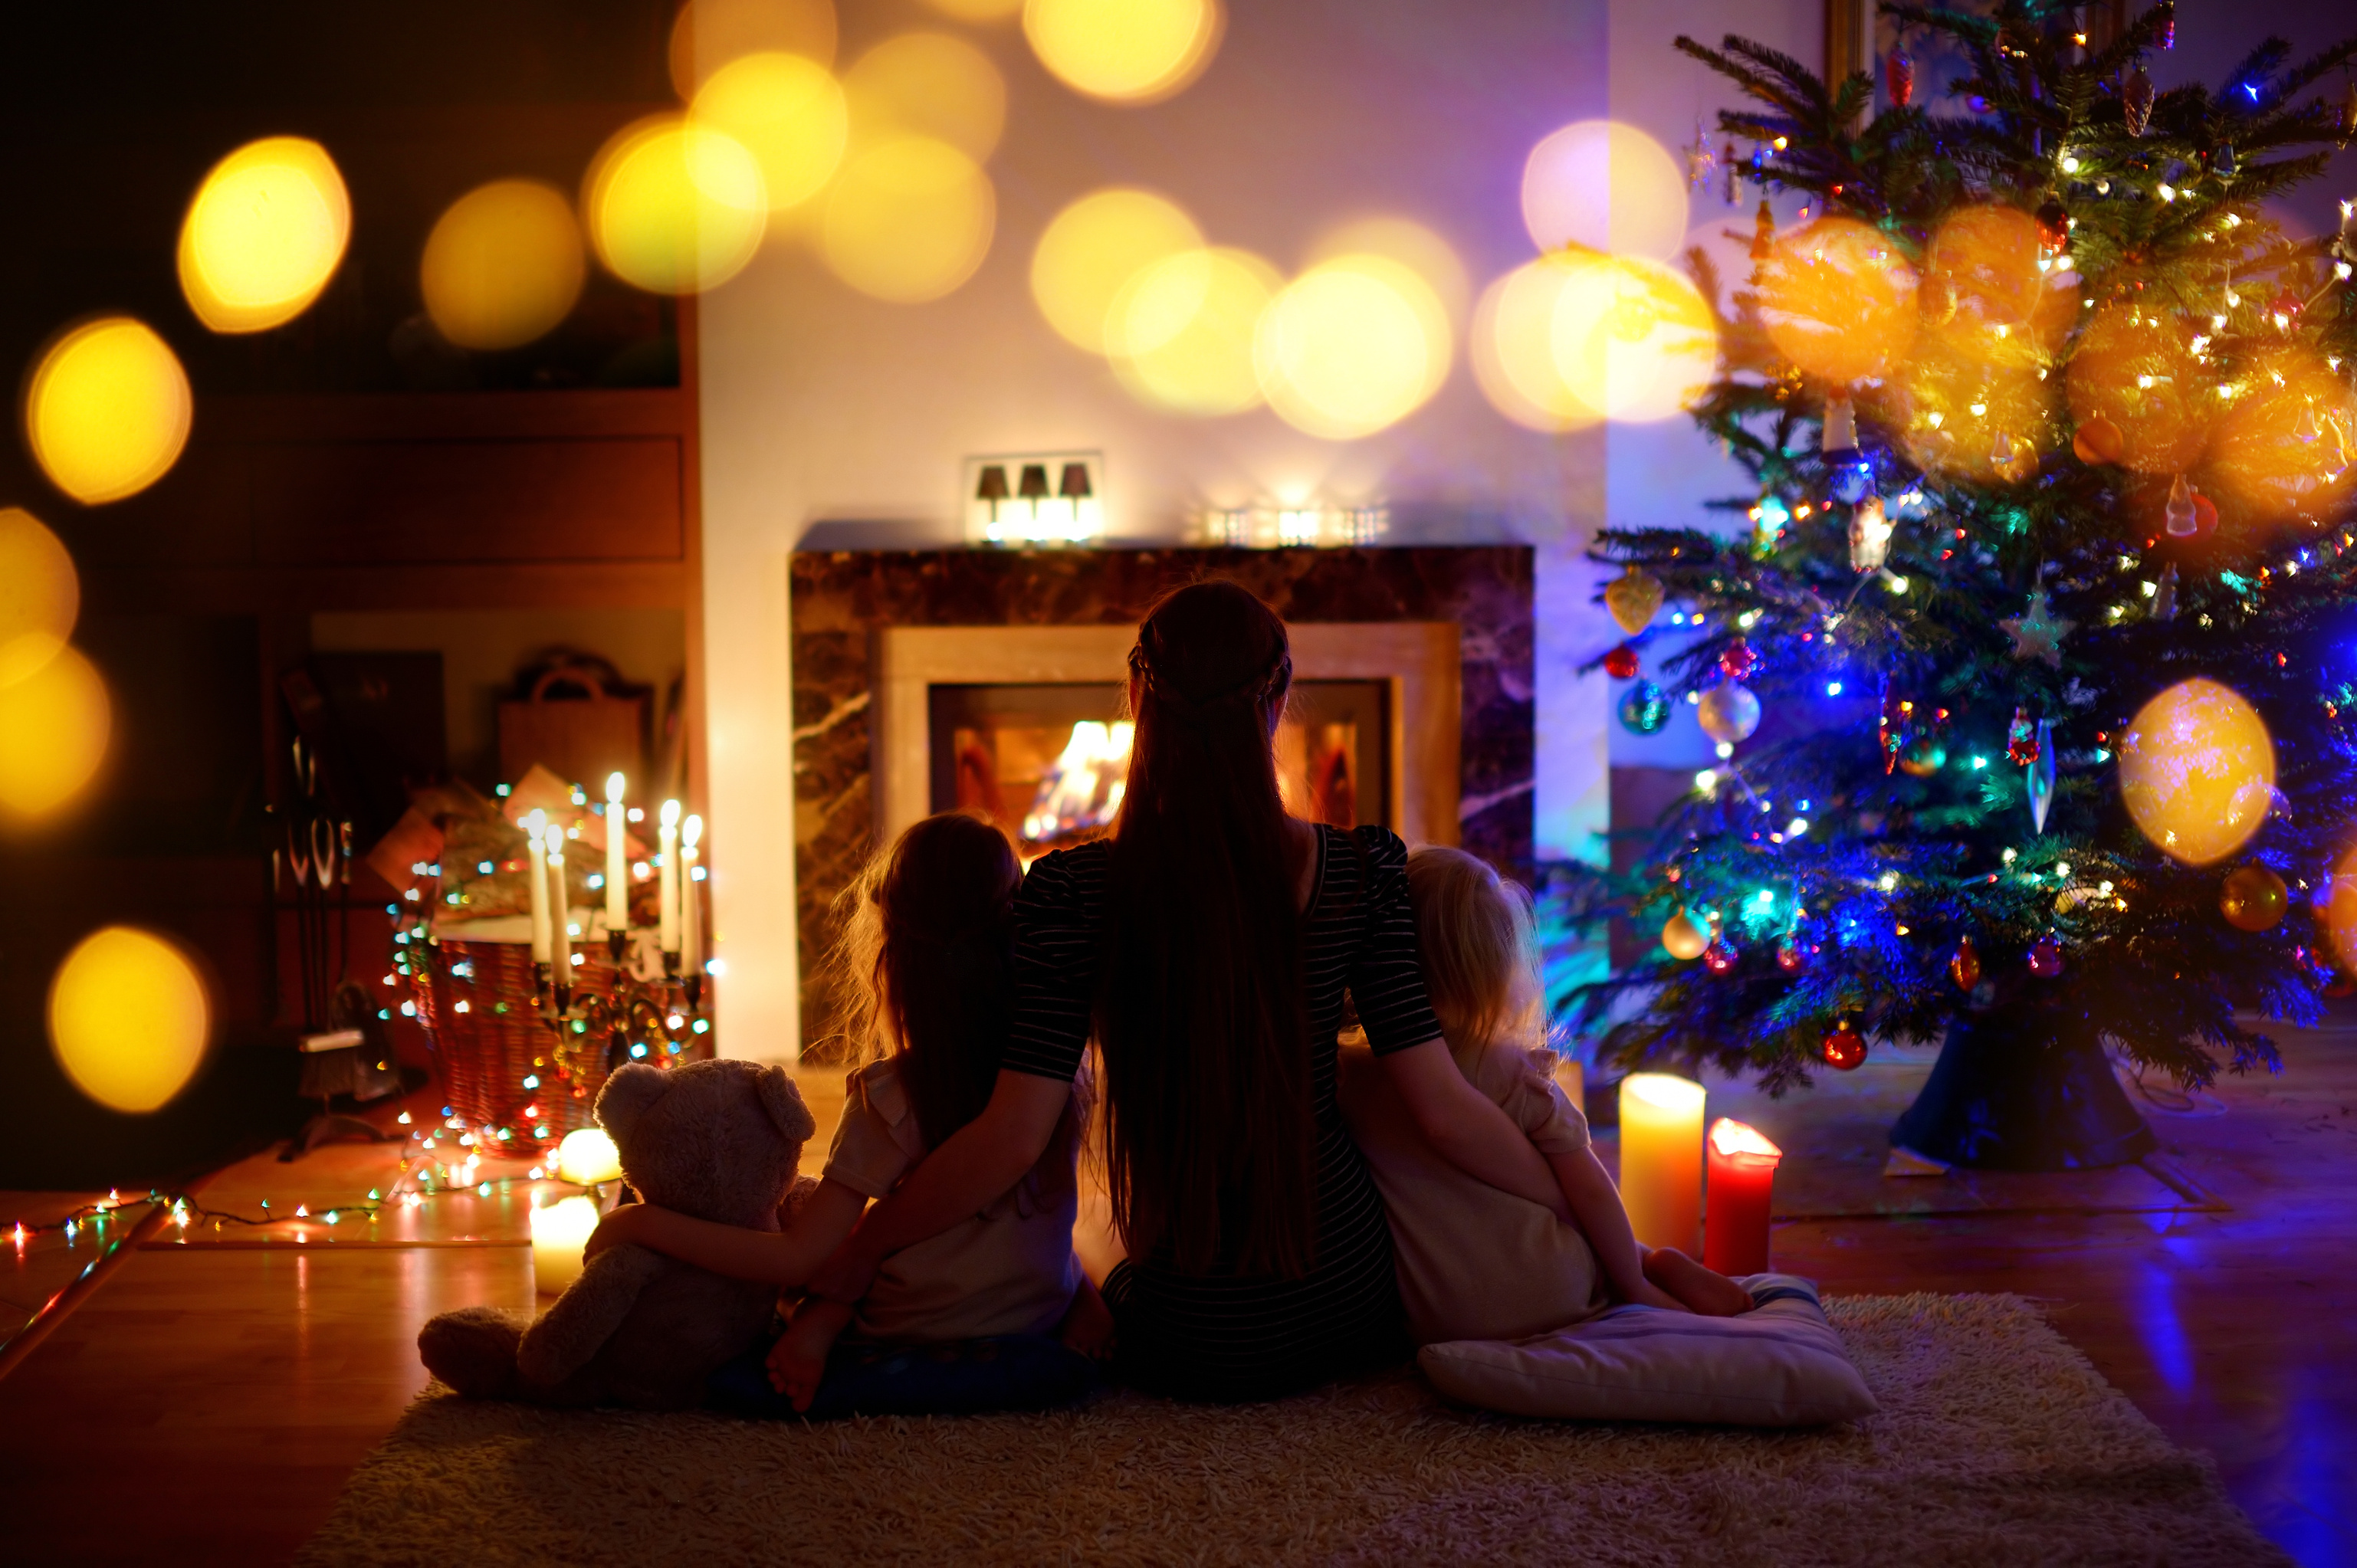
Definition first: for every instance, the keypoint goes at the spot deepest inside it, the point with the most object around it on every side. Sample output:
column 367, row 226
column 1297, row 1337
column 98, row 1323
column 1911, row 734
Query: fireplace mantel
column 1449, row 626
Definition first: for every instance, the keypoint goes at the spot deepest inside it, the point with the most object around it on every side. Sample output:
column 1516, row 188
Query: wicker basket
column 490, row 1032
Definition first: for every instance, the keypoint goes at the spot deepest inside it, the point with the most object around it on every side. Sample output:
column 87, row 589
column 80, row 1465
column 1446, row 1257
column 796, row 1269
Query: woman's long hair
column 1210, row 1141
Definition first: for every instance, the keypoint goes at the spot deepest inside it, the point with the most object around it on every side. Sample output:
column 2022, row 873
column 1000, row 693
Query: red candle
column 1742, row 1178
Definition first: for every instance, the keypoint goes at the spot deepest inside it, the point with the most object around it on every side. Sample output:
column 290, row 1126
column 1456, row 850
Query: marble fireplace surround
column 871, row 629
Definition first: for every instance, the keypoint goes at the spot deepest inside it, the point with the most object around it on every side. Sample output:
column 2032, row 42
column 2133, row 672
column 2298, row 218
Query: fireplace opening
column 1048, row 761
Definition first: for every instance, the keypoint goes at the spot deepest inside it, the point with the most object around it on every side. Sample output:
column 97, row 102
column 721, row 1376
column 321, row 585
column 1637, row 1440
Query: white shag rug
column 1997, row 1443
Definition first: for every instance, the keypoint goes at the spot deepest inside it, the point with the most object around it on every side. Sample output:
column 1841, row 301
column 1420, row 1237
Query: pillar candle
column 559, row 900
column 691, row 909
column 1661, row 1158
column 618, row 867
column 1742, row 1180
column 668, row 931
column 537, row 875
column 559, row 1233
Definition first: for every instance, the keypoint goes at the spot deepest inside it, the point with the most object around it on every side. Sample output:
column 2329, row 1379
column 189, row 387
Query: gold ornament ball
column 1684, row 935
column 2253, row 899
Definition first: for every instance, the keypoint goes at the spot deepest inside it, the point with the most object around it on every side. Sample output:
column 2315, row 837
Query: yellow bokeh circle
column 928, row 84
column 2135, row 366
column 1631, row 339
column 708, row 34
column 503, row 265
column 909, row 220
column 2341, row 913
column 2281, row 446
column 53, row 730
column 128, row 1018
column 1511, row 345
column 264, row 235
column 673, row 206
column 2198, row 771
column 1602, row 186
column 1351, row 346
column 1093, row 247
column 1124, row 51
column 1180, row 332
column 107, row 411
column 977, row 10
column 1838, row 299
column 786, row 111
column 40, row 595
column 1412, row 245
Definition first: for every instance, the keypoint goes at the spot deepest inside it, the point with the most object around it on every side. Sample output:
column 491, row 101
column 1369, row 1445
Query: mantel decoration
column 544, row 946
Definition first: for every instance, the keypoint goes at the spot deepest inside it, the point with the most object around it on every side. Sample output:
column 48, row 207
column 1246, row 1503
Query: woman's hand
column 626, row 1223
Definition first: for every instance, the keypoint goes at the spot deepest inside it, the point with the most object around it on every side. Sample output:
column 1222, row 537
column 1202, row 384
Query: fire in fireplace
column 1049, row 761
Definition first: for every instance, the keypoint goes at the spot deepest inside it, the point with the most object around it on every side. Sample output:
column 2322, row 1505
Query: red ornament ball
column 2046, row 958
column 1719, row 958
column 1737, row 660
column 1845, row 1049
column 1621, row 662
column 2205, row 516
column 2284, row 311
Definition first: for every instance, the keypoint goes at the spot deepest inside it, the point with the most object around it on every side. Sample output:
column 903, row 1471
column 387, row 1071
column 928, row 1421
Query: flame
column 1734, row 1139
column 1083, row 788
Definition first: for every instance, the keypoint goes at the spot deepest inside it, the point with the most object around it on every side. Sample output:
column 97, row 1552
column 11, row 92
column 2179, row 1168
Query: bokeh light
column 2135, row 366
column 2198, row 771
column 2282, row 446
column 128, row 1018
column 1606, row 186
column 674, row 205
column 1986, row 258
column 1351, row 346
column 788, row 113
column 39, row 595
column 264, row 235
column 1124, row 51
column 2340, row 912
column 928, row 84
column 53, row 729
column 1093, row 247
column 1511, row 345
column 908, row 221
column 503, row 265
column 1631, row 339
column 587, row 1155
column 708, row 34
column 107, row 411
column 1180, row 332
column 1412, row 245
column 977, row 10
column 1838, row 300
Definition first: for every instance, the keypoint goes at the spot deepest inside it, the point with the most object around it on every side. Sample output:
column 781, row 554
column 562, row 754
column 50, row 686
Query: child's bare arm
column 1596, row 1210
column 798, row 1360
column 786, row 1257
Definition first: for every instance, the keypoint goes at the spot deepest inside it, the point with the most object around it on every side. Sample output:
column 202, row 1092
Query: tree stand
column 2010, row 1092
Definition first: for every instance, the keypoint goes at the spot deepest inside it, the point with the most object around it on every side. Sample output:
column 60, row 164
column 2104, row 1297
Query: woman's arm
column 783, row 1257
column 967, row 1174
column 1467, row 1127
column 1597, row 1209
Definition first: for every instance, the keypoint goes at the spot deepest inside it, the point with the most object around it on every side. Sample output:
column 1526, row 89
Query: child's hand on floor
column 1088, row 1327
column 797, row 1362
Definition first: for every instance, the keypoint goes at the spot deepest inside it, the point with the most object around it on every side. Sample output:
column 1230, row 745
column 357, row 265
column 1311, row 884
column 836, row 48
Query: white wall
column 822, row 406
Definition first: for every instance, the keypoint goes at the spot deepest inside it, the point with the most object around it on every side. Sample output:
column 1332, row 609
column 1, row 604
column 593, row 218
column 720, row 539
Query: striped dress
column 1229, row 1335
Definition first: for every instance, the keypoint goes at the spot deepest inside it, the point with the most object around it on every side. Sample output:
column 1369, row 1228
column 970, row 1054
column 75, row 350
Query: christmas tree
column 2033, row 673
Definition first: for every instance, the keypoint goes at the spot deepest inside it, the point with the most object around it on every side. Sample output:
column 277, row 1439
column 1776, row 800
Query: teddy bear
column 720, row 1140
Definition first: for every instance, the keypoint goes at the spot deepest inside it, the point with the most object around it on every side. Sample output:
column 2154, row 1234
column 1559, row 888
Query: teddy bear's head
column 720, row 1140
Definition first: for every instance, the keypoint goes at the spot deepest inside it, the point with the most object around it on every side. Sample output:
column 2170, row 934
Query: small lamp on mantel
column 1081, row 513
column 1033, row 488
column 992, row 490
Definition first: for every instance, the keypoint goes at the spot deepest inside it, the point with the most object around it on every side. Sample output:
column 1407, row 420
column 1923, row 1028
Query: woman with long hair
column 1210, row 946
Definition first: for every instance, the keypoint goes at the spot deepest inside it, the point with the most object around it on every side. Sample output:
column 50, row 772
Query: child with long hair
column 924, row 962
column 1476, row 1262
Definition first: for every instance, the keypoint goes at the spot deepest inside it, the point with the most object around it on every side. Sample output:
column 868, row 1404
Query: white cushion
column 1780, row 1364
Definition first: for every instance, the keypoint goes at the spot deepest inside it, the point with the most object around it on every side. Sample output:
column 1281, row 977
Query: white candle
column 691, row 913
column 1661, row 1158
column 668, row 932
column 534, row 825
column 618, row 870
column 560, row 899
column 559, row 1233
column 587, row 1156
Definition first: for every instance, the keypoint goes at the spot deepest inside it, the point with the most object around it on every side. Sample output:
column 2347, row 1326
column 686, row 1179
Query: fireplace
column 928, row 680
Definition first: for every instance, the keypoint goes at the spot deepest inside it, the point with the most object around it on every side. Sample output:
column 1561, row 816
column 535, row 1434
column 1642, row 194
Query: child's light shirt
column 1007, row 1269
column 1475, row 1262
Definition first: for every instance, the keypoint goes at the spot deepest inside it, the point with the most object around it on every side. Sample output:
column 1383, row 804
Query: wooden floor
column 208, row 1395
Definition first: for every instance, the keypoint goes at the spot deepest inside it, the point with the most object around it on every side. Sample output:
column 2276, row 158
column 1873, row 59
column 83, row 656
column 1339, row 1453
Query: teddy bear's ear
column 783, row 1102
column 630, row 1092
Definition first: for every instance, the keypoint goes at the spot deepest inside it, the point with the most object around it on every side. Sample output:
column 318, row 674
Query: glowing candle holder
column 1661, row 1158
column 1742, row 1186
column 559, row 1233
